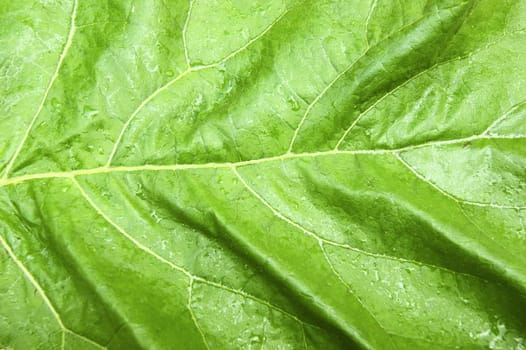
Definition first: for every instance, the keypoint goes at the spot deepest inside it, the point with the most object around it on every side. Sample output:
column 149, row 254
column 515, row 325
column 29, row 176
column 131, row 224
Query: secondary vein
column 67, row 45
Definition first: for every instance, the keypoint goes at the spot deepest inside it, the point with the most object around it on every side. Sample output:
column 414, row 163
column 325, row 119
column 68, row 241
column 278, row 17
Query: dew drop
column 89, row 112
column 55, row 104
column 294, row 105
column 255, row 339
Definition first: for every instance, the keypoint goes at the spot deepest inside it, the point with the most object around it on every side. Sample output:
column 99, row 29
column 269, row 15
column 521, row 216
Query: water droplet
column 255, row 339
column 154, row 215
column 294, row 105
column 89, row 112
column 55, row 104
column 198, row 100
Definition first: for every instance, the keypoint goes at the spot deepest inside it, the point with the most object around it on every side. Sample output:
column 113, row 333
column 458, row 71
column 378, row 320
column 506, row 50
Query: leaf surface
column 263, row 175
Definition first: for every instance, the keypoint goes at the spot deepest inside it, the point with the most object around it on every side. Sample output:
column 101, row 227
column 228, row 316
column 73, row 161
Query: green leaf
column 191, row 174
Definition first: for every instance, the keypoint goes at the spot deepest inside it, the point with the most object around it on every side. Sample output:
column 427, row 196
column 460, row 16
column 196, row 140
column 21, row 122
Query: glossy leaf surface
column 333, row 174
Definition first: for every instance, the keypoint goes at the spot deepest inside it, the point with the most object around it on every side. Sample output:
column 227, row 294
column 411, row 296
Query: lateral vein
column 67, row 45
column 188, row 70
column 44, row 297
column 191, row 276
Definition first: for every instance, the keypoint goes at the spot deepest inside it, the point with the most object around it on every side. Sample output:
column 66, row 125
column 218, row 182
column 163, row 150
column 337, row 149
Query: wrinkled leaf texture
column 329, row 174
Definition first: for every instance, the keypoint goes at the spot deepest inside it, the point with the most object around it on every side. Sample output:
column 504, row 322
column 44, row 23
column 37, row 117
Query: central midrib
column 216, row 165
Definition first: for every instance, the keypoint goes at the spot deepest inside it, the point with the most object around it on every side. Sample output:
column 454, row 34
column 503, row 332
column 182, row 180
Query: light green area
column 194, row 174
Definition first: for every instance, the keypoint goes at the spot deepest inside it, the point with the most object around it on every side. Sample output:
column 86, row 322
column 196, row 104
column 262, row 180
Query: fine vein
column 503, row 117
column 192, row 315
column 185, row 28
column 374, row 3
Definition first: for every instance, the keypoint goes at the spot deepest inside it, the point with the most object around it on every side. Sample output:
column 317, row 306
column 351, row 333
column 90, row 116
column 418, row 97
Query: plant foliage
column 272, row 174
